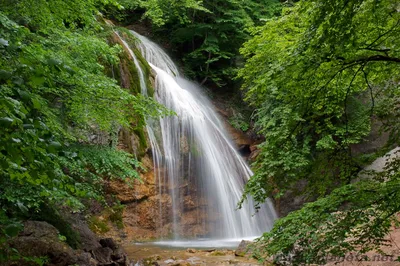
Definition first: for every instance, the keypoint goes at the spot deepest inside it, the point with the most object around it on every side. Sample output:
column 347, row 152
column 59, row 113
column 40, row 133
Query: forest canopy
column 206, row 35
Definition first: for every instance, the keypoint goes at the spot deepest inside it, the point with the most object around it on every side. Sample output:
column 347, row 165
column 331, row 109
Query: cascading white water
column 193, row 148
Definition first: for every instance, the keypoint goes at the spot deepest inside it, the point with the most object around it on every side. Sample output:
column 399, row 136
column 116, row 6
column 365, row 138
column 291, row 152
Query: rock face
column 139, row 190
column 146, row 219
column 148, row 205
column 40, row 239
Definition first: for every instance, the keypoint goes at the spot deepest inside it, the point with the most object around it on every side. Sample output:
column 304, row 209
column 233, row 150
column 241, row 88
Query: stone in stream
column 191, row 250
column 243, row 249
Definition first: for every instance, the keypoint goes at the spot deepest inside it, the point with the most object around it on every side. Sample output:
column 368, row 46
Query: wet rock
column 108, row 243
column 103, row 254
column 243, row 249
column 86, row 259
column 118, row 255
column 89, row 240
column 195, row 261
column 142, row 189
column 188, row 203
column 254, row 152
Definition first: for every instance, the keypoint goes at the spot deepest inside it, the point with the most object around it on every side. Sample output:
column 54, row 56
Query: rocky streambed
column 150, row 254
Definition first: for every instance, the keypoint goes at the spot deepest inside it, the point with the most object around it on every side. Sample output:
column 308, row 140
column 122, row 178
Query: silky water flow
column 193, row 150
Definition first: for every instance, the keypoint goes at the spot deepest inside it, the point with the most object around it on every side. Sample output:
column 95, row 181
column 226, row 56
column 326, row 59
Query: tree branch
column 375, row 58
column 371, row 92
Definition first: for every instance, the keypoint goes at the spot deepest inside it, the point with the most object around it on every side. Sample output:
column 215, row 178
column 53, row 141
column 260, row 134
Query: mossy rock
column 52, row 216
column 98, row 225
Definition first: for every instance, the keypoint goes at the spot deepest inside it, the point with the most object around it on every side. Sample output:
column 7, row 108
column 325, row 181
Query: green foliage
column 206, row 34
column 8, row 230
column 115, row 215
column 161, row 12
column 41, row 93
column 353, row 218
column 54, row 94
column 211, row 41
column 313, row 74
column 42, row 15
column 98, row 225
column 317, row 76
column 238, row 121
column 92, row 164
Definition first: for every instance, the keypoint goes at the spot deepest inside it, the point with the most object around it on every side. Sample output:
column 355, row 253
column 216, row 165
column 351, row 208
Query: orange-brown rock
column 238, row 137
column 137, row 190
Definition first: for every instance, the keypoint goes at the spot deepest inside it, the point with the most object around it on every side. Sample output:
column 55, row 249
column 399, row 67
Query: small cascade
column 195, row 162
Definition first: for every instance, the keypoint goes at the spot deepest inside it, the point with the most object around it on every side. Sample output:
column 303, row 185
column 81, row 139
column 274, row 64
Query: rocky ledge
column 40, row 239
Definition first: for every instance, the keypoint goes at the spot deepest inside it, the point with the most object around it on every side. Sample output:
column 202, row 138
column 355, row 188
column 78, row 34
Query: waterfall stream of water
column 194, row 151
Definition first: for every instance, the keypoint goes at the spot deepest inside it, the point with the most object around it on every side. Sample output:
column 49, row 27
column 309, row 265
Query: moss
column 132, row 40
column 129, row 73
column 146, row 70
column 134, row 79
column 139, row 132
column 128, row 77
column 98, row 225
column 115, row 215
column 218, row 253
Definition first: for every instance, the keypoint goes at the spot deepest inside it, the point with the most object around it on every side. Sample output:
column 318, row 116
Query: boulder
column 191, row 250
column 102, row 255
column 40, row 239
column 89, row 240
column 243, row 248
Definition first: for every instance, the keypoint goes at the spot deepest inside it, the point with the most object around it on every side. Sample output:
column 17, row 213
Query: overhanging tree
column 318, row 75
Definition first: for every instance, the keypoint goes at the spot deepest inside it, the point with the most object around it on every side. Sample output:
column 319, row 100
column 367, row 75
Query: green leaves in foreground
column 54, row 93
column 353, row 218
column 315, row 76
column 319, row 76
column 57, row 89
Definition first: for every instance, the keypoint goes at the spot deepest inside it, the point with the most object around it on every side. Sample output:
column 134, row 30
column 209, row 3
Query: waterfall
column 194, row 159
